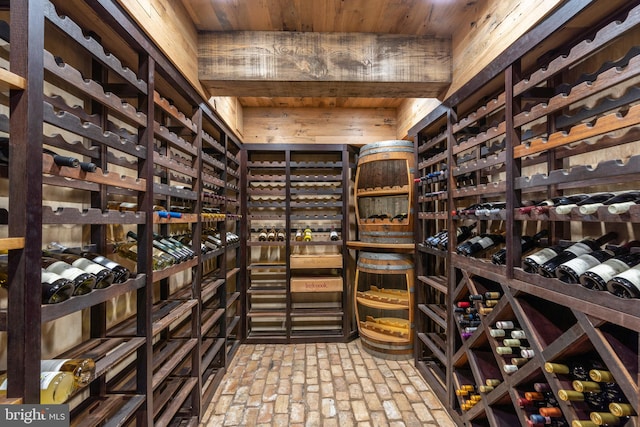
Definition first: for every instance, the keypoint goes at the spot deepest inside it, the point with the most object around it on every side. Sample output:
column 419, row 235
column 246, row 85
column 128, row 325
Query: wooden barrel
column 384, row 303
column 384, row 192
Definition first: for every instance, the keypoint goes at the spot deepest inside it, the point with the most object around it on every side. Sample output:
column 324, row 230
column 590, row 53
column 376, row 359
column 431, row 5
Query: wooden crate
column 316, row 284
column 316, row 261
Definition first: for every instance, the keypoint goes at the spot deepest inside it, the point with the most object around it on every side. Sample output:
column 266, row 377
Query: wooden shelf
column 11, row 81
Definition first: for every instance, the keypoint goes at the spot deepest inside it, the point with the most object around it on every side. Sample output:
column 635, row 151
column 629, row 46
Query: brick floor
column 321, row 385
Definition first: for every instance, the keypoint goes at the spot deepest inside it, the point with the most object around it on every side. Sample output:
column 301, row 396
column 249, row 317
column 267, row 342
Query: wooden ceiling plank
column 260, row 60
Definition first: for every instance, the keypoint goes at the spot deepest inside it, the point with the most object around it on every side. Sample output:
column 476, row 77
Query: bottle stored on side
column 104, row 276
column 587, row 245
column 82, row 370
column 527, row 243
column 626, row 284
column 598, row 276
column 83, row 282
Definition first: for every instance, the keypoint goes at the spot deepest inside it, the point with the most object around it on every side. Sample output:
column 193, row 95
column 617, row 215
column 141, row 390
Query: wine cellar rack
column 165, row 167
column 554, row 115
column 298, row 288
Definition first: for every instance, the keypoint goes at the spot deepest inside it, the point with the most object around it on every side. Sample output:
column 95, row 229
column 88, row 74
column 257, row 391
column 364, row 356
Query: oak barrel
column 384, row 192
column 384, row 303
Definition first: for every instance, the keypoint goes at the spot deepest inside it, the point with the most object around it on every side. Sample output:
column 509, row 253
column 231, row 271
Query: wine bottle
column 527, row 243
column 83, row 282
column 627, row 196
column 487, row 241
column 622, row 409
column 532, row 263
column 333, row 235
column 83, row 370
column 432, row 241
column 298, row 236
column 463, row 247
column 104, row 276
column 626, row 284
column 55, row 387
column 462, row 233
column 59, row 160
column 157, row 245
column 577, row 369
column 543, row 205
column 121, row 274
column 262, row 235
column 570, row 271
column 306, row 236
column 177, row 247
column 597, row 276
column 55, row 288
column 129, row 250
column 594, row 198
column 620, row 208
column 562, row 201
column 491, row 208
column 587, row 245
column 280, row 236
column 271, row 235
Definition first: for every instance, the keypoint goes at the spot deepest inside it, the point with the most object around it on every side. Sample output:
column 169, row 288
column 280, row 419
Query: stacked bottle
column 513, row 345
column 593, row 391
column 468, row 396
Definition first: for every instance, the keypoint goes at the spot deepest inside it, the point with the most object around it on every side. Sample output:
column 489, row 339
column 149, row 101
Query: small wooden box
column 316, row 261
column 316, row 284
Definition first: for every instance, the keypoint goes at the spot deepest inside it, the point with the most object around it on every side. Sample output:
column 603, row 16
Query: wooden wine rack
column 163, row 339
column 297, row 291
column 565, row 126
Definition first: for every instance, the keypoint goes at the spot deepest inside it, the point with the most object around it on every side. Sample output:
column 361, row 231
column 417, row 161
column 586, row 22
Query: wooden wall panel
column 411, row 111
column 488, row 30
column 357, row 126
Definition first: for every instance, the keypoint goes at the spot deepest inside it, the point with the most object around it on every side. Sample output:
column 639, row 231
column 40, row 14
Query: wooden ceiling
column 409, row 17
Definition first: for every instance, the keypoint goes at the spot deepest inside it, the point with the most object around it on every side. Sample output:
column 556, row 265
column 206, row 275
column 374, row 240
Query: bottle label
column 579, row 249
column 609, row 268
column 106, row 262
column 486, row 242
column 46, row 378
column 88, row 266
column 64, row 270
column 52, row 365
column 581, row 264
column 632, row 275
column 48, row 277
column 542, row 256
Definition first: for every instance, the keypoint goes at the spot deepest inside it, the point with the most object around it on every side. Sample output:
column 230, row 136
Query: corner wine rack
column 555, row 115
column 97, row 90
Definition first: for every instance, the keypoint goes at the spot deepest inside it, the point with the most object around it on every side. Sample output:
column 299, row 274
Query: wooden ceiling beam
column 277, row 63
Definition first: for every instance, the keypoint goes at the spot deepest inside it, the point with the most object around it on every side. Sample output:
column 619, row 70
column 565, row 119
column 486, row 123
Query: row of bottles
column 301, row 234
column 613, row 268
column 617, row 203
column 73, row 272
column 59, row 379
